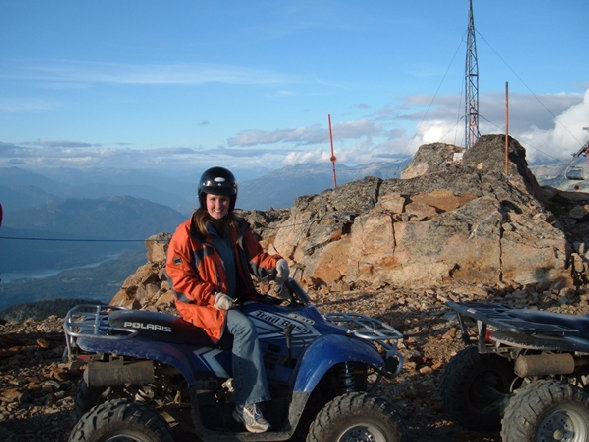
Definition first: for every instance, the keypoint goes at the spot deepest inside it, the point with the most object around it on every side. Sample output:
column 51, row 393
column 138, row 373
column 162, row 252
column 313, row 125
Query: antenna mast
column 471, row 102
column 332, row 158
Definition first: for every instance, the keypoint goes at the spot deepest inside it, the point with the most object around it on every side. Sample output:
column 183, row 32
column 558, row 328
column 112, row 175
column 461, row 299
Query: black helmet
column 217, row 181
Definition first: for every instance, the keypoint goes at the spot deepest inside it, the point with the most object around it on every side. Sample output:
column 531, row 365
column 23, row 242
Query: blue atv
column 151, row 376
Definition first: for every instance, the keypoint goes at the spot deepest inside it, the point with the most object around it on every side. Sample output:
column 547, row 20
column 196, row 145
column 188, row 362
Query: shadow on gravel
column 51, row 428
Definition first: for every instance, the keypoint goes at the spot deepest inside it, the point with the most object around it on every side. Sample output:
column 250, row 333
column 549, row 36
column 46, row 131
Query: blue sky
column 249, row 84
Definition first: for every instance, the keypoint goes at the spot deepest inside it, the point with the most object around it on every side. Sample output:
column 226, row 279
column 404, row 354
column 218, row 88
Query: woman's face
column 217, row 206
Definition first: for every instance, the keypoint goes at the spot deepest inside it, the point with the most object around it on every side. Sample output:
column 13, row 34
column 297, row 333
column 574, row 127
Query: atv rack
column 521, row 328
column 90, row 320
column 365, row 327
column 371, row 329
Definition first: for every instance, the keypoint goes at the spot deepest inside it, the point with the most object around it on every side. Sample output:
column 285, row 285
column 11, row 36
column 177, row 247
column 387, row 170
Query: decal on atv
column 274, row 325
column 300, row 318
column 207, row 356
column 143, row 326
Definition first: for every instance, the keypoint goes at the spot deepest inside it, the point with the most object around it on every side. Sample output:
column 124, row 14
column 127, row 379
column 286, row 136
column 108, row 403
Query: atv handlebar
column 298, row 295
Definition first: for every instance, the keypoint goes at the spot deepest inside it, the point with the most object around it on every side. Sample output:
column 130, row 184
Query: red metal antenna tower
column 471, row 102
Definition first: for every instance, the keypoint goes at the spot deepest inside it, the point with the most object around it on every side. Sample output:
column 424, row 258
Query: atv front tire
column 121, row 419
column 547, row 410
column 474, row 388
column 357, row 416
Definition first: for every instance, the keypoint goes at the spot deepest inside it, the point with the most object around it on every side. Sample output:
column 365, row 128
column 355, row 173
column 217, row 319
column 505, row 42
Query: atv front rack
column 370, row 329
column 91, row 320
column 364, row 327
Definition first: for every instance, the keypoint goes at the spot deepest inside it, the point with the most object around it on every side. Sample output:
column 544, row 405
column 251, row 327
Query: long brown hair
column 229, row 223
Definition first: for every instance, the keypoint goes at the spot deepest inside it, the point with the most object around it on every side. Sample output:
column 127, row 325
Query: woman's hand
column 282, row 273
column 223, row 302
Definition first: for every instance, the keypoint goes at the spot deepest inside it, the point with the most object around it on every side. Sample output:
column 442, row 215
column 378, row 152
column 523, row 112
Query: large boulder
column 459, row 218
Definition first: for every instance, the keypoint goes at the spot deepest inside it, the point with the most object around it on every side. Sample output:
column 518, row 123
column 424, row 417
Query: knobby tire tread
column 455, row 385
column 360, row 403
column 530, row 402
column 95, row 425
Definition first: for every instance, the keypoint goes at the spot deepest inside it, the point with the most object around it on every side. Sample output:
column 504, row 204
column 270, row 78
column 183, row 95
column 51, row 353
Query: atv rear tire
column 121, row 419
column 87, row 397
column 547, row 410
column 355, row 416
column 474, row 387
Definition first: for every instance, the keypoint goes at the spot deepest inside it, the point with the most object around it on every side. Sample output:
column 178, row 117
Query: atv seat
column 571, row 324
column 165, row 327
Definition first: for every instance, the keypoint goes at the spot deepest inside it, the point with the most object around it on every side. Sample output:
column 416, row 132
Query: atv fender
column 331, row 350
column 180, row 357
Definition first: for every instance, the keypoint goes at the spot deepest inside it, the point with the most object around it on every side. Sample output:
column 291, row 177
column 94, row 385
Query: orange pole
column 506, row 128
column 332, row 158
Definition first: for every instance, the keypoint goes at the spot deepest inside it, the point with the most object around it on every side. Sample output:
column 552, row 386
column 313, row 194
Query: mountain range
column 60, row 224
column 78, row 231
column 24, row 188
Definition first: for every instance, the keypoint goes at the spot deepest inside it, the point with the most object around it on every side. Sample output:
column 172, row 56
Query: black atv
column 524, row 371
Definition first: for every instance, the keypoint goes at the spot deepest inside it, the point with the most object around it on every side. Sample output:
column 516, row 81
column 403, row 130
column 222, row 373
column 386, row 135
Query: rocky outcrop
column 452, row 221
column 457, row 218
column 433, row 157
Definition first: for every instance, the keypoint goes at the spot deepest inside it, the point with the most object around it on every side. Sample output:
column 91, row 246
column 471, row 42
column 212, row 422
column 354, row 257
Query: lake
column 7, row 277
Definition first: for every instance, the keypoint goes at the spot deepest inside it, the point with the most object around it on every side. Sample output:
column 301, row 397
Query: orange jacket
column 196, row 272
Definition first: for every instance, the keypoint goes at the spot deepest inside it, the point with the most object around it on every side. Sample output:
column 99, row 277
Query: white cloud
column 24, row 105
column 565, row 137
column 550, row 127
column 63, row 144
column 299, row 136
column 367, row 140
column 69, row 72
column 547, row 135
column 314, row 156
column 356, row 129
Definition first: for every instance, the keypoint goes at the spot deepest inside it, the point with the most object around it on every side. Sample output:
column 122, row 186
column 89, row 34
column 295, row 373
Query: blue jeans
column 249, row 373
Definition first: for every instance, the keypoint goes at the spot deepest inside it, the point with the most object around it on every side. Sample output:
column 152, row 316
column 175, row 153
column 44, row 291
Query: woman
column 210, row 259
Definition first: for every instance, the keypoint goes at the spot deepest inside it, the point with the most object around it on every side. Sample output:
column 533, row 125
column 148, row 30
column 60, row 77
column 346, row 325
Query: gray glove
column 223, row 302
column 282, row 273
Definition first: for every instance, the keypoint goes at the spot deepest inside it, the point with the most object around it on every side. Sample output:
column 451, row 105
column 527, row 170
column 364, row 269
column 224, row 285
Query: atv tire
column 474, row 387
column 355, row 416
column 547, row 410
column 121, row 419
column 86, row 398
